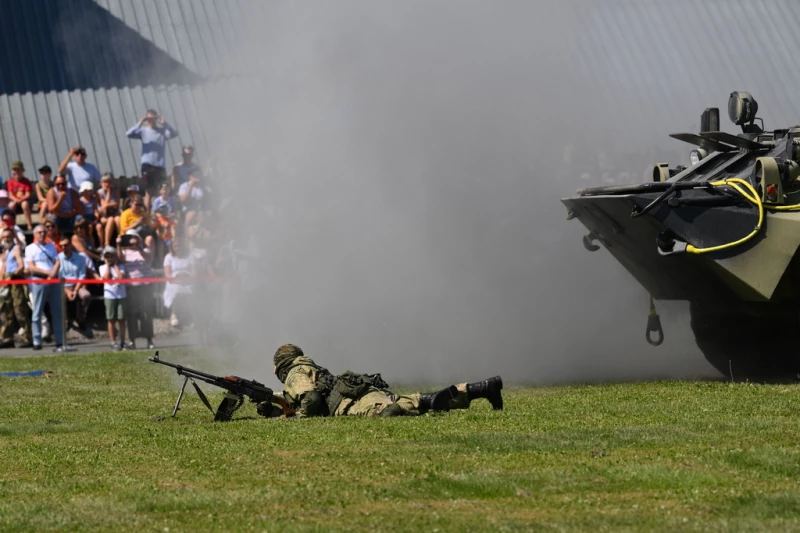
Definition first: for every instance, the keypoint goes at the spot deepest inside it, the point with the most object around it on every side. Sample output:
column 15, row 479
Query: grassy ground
column 84, row 450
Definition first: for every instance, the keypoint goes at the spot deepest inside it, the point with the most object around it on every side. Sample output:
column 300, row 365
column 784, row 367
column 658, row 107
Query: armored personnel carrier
column 722, row 233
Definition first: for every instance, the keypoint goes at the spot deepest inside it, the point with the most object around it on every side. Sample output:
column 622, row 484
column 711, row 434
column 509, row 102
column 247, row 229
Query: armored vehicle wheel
column 751, row 346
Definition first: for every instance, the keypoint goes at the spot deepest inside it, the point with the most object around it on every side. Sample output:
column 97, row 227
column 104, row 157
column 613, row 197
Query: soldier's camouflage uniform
column 15, row 312
column 307, row 386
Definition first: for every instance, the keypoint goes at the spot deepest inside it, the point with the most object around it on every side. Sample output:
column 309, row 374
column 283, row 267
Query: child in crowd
column 43, row 186
column 90, row 209
column 114, row 296
column 109, row 209
column 165, row 199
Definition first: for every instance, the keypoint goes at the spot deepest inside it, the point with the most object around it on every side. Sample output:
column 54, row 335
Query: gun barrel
column 184, row 370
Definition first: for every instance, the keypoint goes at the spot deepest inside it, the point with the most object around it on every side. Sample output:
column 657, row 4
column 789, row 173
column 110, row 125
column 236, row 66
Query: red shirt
column 17, row 187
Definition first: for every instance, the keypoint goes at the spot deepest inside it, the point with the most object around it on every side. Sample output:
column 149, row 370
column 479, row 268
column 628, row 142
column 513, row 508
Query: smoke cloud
column 398, row 167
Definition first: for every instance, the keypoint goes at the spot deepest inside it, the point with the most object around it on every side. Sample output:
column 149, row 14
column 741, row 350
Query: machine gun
column 237, row 389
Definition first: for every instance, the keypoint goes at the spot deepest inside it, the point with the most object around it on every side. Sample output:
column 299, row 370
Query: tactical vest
column 349, row 385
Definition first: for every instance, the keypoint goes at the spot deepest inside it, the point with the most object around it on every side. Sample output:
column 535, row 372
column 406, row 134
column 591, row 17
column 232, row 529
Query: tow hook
column 654, row 325
column 588, row 242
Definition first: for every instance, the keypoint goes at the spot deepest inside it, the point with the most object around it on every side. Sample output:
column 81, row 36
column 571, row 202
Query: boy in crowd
column 114, row 296
column 20, row 191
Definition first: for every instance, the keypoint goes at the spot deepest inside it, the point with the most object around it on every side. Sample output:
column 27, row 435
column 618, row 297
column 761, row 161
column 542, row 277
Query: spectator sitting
column 136, row 217
column 73, row 266
column 165, row 199
column 109, row 208
column 90, row 209
column 78, row 170
column 63, row 203
column 43, row 186
column 114, row 296
column 53, row 236
column 20, row 191
column 180, row 172
column 137, row 261
column 164, row 225
column 177, row 294
column 82, row 241
column 10, row 221
column 154, row 132
column 191, row 196
column 4, row 199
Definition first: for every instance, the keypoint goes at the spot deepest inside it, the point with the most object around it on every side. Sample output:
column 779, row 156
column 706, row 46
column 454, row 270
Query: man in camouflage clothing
column 14, row 309
column 313, row 391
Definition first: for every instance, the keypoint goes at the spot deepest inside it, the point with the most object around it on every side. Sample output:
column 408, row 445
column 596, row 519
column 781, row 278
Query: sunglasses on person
column 138, row 204
column 80, row 152
column 49, row 226
column 61, row 183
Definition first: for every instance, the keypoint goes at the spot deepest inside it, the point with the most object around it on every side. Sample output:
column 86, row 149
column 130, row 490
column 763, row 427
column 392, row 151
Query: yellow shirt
column 129, row 218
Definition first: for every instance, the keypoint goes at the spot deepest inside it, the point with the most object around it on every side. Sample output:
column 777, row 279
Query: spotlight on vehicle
column 696, row 155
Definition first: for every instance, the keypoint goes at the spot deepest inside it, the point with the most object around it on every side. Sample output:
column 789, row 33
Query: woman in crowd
column 63, row 204
column 108, row 210
column 82, row 241
column 178, row 263
column 141, row 308
column 52, row 236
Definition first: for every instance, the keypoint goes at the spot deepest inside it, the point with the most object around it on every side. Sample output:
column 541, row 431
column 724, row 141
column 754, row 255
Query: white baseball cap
column 86, row 186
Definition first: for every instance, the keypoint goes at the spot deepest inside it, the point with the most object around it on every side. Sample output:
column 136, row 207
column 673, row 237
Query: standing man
column 14, row 310
column 42, row 261
column 73, row 266
column 154, row 132
column 20, row 191
column 78, row 170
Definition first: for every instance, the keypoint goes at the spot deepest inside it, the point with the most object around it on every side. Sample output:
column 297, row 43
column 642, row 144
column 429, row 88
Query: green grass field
column 85, row 450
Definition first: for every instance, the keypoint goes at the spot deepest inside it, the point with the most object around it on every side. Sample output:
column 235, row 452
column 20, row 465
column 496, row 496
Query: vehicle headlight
column 696, row 155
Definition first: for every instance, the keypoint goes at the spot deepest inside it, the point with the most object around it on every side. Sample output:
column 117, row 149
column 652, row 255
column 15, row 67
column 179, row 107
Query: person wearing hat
column 114, row 296
column 180, row 172
column 91, row 206
column 41, row 259
column 43, row 186
column 154, row 132
column 312, row 390
column 20, row 191
column 141, row 302
column 4, row 199
column 77, row 169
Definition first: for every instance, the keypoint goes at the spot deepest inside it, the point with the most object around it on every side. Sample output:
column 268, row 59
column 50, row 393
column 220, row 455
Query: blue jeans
column 43, row 294
column 65, row 224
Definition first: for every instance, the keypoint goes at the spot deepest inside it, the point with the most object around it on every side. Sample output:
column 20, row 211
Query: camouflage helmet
column 286, row 353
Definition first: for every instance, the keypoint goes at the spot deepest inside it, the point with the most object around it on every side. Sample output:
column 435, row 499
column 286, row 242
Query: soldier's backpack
column 353, row 386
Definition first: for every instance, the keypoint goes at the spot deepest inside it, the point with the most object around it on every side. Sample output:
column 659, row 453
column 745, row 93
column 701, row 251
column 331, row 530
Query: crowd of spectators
column 89, row 228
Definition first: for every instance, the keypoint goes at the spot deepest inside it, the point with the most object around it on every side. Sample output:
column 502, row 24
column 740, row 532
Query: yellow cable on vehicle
column 754, row 199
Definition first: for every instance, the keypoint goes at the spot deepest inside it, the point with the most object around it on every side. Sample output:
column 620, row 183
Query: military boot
column 489, row 389
column 437, row 401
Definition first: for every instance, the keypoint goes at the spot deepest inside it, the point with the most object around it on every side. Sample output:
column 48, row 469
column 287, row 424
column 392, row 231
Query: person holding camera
column 77, row 169
column 154, row 132
column 141, row 303
column 114, row 296
column 41, row 259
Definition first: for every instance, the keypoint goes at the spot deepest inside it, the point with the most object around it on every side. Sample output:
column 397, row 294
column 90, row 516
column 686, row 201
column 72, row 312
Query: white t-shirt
column 195, row 197
column 43, row 256
column 77, row 174
column 113, row 291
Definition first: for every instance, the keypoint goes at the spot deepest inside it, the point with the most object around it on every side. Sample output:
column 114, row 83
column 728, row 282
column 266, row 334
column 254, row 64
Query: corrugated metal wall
column 83, row 71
